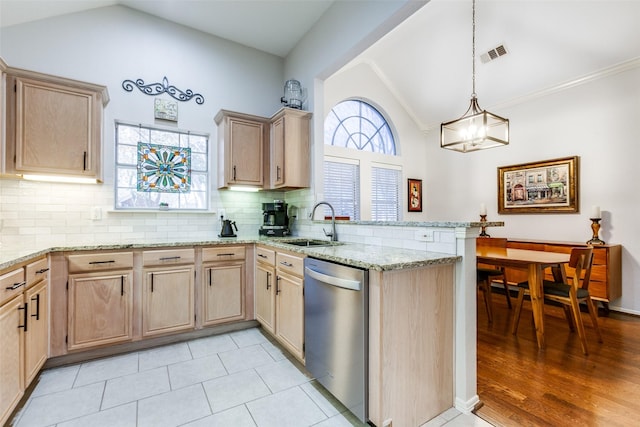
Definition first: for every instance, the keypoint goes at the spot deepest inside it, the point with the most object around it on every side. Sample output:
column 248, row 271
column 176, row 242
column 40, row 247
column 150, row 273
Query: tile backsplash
column 41, row 214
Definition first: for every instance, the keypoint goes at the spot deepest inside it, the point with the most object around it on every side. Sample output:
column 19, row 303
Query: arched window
column 358, row 177
column 356, row 124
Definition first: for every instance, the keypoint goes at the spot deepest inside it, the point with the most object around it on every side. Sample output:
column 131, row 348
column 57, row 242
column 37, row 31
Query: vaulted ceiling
column 426, row 61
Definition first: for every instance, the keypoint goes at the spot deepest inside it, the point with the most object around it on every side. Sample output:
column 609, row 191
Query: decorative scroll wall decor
column 164, row 168
column 153, row 89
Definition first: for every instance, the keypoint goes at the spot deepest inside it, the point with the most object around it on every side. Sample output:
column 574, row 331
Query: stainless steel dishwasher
column 336, row 331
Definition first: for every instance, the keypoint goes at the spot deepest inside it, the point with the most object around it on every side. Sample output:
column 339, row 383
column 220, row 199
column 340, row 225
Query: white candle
column 483, row 209
column 595, row 212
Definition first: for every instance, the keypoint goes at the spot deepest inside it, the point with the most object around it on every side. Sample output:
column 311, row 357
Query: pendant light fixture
column 477, row 129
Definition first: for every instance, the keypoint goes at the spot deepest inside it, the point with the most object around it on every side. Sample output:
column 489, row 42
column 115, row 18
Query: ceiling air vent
column 494, row 53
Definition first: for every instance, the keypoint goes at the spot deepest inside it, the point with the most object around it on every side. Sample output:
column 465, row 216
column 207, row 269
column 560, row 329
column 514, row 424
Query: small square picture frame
column 165, row 109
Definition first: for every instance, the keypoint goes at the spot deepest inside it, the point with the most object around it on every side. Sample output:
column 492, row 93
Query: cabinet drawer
column 168, row 257
column 290, row 264
column 100, row 261
column 11, row 284
column 265, row 255
column 224, row 253
column 37, row 271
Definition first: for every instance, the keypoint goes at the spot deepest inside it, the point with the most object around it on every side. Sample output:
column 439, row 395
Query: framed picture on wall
column 549, row 186
column 415, row 195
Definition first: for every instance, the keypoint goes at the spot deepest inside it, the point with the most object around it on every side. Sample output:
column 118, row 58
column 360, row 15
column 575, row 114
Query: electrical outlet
column 96, row 213
column 424, row 235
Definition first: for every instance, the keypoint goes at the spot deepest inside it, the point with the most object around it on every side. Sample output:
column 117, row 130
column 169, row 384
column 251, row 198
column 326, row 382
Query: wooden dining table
column 535, row 263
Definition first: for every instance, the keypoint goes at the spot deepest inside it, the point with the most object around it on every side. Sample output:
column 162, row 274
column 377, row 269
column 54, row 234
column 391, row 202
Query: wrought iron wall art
column 153, row 89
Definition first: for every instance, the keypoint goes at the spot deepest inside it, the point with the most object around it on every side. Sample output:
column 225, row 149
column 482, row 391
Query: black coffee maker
column 275, row 221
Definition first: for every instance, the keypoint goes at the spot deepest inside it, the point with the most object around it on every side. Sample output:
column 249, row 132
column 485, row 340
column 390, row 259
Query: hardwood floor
column 559, row 386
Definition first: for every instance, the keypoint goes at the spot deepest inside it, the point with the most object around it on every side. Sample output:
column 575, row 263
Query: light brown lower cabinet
column 99, row 299
column 100, row 309
column 265, row 290
column 223, row 284
column 290, row 303
column 24, row 331
column 37, row 335
column 11, row 355
column 168, row 291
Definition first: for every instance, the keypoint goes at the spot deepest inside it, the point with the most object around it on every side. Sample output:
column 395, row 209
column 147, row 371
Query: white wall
column 106, row 46
column 597, row 121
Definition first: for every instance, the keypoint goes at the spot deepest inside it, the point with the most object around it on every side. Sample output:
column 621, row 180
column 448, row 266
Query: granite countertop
column 354, row 254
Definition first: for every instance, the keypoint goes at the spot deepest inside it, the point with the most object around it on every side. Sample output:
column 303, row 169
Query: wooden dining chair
column 486, row 274
column 568, row 294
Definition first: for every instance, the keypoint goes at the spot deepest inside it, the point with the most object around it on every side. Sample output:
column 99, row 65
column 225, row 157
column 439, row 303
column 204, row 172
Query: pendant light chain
column 477, row 129
column 473, row 49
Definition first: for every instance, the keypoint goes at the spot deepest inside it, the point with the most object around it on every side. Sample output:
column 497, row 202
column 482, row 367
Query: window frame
column 118, row 165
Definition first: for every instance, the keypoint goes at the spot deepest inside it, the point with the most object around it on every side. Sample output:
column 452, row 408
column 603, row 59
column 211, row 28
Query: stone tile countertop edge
column 368, row 257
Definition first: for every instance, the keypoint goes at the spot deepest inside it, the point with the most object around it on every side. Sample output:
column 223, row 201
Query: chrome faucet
column 332, row 233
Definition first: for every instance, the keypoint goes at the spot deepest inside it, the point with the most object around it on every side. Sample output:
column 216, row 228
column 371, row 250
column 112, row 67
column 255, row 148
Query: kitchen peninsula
column 411, row 306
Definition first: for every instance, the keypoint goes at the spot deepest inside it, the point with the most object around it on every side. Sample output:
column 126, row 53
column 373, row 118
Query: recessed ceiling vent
column 494, row 53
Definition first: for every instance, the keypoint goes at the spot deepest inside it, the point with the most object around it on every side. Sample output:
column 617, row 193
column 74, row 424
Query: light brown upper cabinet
column 289, row 162
column 53, row 124
column 241, row 145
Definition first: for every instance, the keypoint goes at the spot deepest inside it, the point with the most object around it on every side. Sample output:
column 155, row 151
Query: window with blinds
column 362, row 169
column 385, row 194
column 342, row 188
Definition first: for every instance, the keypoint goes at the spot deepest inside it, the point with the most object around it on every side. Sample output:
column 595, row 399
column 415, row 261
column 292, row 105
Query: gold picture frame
column 549, row 186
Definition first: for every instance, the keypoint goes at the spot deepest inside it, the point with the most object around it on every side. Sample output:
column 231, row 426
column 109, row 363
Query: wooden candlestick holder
column 483, row 232
column 595, row 227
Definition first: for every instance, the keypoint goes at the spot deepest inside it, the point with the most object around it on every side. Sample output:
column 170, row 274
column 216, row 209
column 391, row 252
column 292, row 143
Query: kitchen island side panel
column 411, row 344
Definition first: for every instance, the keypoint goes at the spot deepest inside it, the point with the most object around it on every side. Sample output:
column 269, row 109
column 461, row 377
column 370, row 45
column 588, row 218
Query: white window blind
column 385, row 194
column 342, row 188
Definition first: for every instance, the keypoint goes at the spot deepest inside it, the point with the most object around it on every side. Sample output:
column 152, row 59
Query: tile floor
column 233, row 380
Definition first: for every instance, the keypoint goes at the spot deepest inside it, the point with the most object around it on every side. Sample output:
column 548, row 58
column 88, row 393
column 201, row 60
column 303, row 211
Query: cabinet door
column 37, row 336
column 223, row 293
column 168, row 300
column 11, row 356
column 246, row 144
column 277, row 153
column 265, row 296
column 100, row 309
column 57, row 128
column 290, row 313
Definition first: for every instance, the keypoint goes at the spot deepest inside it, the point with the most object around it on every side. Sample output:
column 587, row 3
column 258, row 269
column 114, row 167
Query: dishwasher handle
column 354, row 285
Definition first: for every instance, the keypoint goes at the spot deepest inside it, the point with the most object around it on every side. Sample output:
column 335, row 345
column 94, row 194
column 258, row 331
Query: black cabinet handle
column 37, row 300
column 231, row 254
column 262, row 255
column 286, row 264
column 25, row 316
column 84, row 161
column 102, row 262
column 151, row 282
column 210, row 278
column 15, row 286
column 44, row 270
column 122, row 285
column 278, row 173
column 234, row 173
column 268, row 280
column 170, row 258
column 277, row 285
